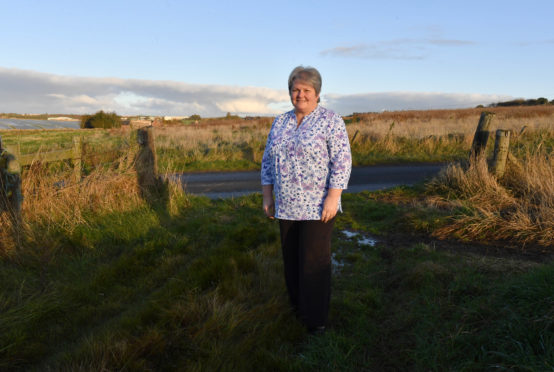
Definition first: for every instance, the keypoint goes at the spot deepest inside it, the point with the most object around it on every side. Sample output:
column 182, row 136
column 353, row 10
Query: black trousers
column 306, row 247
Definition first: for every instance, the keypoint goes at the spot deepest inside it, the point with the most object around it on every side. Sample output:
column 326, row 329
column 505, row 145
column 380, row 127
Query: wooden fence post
column 501, row 148
column 354, row 137
column 147, row 172
column 77, row 156
column 481, row 136
column 133, row 149
column 10, row 186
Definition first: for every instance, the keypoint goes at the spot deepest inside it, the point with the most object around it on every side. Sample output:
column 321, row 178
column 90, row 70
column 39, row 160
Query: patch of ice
column 368, row 241
column 335, row 262
column 350, row 234
column 362, row 240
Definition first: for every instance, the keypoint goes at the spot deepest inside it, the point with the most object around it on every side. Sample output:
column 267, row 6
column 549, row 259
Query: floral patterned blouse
column 303, row 163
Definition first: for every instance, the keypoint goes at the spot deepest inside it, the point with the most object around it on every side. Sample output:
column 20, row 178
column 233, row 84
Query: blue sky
column 210, row 57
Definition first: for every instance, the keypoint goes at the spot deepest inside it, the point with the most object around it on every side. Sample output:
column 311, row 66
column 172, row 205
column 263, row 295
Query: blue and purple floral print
column 303, row 163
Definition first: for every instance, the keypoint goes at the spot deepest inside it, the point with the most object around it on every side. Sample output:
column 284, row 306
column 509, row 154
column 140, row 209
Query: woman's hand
column 268, row 203
column 269, row 207
column 330, row 205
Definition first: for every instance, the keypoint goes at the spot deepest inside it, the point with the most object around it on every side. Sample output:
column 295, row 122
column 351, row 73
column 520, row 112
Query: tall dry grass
column 190, row 138
column 52, row 202
column 518, row 207
column 435, row 135
column 212, row 147
column 419, row 124
column 440, row 135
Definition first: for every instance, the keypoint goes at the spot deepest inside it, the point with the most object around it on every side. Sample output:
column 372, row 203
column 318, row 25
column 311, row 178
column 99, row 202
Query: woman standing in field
column 305, row 167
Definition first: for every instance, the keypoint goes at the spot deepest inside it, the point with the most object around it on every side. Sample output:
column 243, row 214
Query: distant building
column 175, row 117
column 139, row 123
column 63, row 118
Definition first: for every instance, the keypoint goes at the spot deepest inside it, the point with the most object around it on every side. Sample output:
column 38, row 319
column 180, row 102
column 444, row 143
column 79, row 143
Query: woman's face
column 303, row 97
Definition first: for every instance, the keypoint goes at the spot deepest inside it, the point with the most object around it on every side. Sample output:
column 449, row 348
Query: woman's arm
column 330, row 205
column 340, row 160
column 268, row 203
column 268, row 176
column 340, row 156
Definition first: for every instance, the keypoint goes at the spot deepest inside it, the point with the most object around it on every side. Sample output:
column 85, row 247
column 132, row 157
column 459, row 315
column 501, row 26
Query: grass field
column 390, row 137
column 460, row 276
column 197, row 285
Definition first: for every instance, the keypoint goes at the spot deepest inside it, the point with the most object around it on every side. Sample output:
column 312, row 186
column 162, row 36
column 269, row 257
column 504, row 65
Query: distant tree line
column 101, row 120
column 523, row 102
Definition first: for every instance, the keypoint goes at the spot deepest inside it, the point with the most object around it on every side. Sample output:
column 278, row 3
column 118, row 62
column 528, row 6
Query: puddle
column 367, row 241
column 362, row 240
column 335, row 263
column 349, row 234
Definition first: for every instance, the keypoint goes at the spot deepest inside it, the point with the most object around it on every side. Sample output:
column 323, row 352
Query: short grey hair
column 308, row 75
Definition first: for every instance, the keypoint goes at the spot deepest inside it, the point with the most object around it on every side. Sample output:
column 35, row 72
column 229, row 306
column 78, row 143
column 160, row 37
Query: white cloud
column 30, row 91
column 374, row 51
column 393, row 101
column 33, row 92
column 243, row 105
column 399, row 49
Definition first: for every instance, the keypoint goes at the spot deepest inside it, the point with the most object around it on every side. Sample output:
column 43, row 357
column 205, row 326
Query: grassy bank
column 517, row 208
column 103, row 280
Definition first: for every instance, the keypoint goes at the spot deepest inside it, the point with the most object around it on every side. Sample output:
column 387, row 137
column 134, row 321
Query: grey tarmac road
column 371, row 178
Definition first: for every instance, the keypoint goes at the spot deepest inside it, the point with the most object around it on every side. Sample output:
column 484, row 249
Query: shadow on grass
column 197, row 284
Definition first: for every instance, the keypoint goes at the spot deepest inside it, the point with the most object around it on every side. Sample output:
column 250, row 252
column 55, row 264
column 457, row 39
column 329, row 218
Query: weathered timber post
column 77, row 156
column 133, row 149
column 354, row 137
column 501, row 148
column 146, row 158
column 481, row 136
column 151, row 186
column 10, row 186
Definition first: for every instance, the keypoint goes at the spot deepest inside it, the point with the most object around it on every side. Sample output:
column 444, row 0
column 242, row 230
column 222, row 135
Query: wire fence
column 136, row 152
